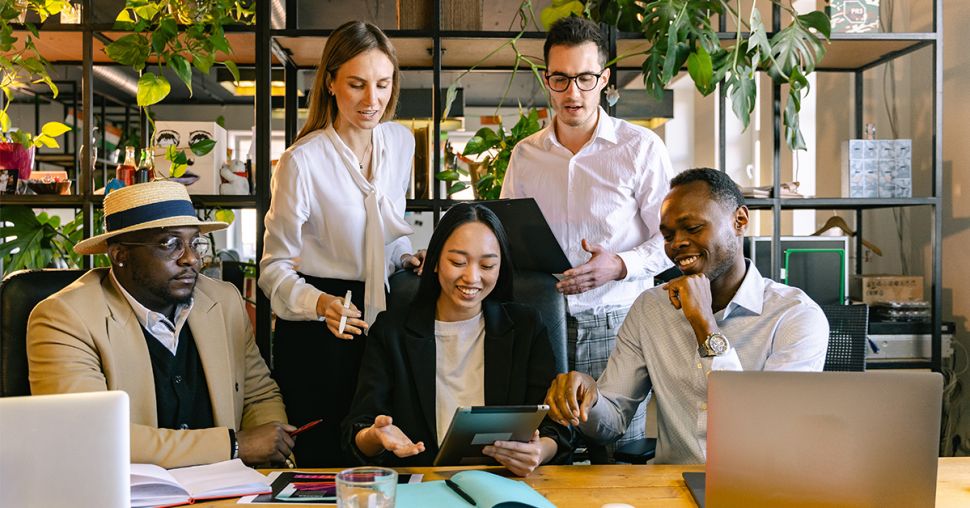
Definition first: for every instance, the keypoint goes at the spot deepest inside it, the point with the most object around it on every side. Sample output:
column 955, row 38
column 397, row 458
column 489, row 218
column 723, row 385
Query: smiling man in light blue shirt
column 720, row 315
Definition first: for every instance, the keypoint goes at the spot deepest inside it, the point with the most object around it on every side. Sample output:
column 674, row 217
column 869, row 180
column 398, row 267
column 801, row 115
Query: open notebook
column 152, row 485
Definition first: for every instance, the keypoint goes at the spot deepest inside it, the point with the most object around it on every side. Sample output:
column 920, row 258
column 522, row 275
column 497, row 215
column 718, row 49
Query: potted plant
column 177, row 35
column 488, row 174
column 42, row 241
column 21, row 66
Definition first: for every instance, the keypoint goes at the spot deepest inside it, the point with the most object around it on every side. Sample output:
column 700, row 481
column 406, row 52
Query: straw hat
column 158, row 204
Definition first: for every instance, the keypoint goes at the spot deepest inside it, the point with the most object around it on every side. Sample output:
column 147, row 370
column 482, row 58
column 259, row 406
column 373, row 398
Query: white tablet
column 475, row 427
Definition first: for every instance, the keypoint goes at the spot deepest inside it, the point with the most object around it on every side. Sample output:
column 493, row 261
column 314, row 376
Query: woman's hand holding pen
column 330, row 308
column 413, row 261
column 384, row 435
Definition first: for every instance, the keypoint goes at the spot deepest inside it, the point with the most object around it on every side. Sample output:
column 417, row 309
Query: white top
column 157, row 324
column 459, row 368
column 770, row 326
column 317, row 222
column 608, row 193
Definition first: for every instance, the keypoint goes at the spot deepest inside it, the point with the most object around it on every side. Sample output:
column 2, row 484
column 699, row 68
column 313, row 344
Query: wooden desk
column 662, row 486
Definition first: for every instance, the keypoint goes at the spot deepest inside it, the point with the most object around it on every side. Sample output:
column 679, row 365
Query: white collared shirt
column 770, row 326
column 316, row 222
column 608, row 193
column 157, row 324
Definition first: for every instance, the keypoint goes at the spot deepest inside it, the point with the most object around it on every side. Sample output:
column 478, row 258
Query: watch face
column 718, row 344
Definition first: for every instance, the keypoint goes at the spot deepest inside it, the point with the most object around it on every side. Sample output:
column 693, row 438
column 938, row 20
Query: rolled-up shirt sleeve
column 291, row 297
column 622, row 387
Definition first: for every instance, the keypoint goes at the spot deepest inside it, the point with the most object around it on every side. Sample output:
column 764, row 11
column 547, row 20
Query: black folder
column 533, row 245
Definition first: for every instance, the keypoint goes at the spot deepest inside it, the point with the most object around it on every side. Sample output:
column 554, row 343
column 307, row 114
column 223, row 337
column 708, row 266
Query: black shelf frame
column 268, row 48
column 918, row 41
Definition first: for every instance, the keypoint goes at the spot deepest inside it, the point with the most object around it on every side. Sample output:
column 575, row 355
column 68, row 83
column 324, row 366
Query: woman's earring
column 121, row 264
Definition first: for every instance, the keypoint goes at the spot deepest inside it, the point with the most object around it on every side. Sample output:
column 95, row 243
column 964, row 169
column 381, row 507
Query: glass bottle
column 146, row 167
column 126, row 170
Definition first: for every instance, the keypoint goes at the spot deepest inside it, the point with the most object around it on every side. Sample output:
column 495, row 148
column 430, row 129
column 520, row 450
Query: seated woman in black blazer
column 462, row 342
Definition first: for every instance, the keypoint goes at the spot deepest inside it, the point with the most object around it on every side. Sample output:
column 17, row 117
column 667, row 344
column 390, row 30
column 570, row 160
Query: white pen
column 343, row 319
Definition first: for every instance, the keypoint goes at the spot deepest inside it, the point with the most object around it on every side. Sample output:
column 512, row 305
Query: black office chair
column 848, row 334
column 20, row 292
column 235, row 272
column 534, row 288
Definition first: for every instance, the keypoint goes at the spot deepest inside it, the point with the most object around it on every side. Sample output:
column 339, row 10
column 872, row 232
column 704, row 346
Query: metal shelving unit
column 441, row 50
column 281, row 44
column 83, row 45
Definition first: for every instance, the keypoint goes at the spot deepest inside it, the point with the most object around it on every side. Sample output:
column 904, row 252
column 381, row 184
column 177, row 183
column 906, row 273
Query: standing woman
column 336, row 224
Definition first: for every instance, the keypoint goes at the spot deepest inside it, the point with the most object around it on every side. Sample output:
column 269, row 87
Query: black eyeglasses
column 174, row 248
column 585, row 81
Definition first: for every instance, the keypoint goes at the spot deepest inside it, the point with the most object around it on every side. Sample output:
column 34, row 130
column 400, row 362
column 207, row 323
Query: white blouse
column 318, row 219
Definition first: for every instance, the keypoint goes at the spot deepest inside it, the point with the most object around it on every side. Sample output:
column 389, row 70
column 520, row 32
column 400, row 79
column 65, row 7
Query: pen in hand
column 306, row 427
column 343, row 319
column 464, row 495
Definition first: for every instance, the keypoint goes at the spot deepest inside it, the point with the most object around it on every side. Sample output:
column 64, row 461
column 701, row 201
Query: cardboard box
column 871, row 289
column 202, row 176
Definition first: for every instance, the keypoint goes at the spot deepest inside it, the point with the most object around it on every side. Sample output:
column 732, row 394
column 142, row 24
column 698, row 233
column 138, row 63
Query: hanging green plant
column 178, row 35
column 22, row 66
column 679, row 33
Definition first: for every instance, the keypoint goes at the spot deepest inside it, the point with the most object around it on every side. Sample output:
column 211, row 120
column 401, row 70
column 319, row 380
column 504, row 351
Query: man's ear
column 118, row 254
column 740, row 220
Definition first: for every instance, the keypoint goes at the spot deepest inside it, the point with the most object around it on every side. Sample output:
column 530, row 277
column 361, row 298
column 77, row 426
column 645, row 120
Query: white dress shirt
column 317, row 223
column 608, row 193
column 770, row 326
column 157, row 324
column 459, row 368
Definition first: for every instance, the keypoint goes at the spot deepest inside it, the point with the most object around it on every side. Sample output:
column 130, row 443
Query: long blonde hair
column 346, row 42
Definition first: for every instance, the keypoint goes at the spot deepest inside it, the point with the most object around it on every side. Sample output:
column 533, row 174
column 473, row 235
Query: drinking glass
column 366, row 487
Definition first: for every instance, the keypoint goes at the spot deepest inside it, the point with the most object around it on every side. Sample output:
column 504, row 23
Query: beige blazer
column 86, row 338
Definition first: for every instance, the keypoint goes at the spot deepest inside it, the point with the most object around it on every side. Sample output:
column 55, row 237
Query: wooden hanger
column 838, row 222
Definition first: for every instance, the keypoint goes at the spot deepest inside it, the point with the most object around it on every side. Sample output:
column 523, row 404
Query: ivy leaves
column 157, row 40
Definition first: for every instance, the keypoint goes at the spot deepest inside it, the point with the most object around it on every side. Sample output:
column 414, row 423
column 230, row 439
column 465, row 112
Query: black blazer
column 397, row 375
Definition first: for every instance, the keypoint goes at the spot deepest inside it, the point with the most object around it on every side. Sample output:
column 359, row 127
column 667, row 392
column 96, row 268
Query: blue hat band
column 147, row 213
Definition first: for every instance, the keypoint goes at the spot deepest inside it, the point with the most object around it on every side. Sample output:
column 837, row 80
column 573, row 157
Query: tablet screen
column 473, row 428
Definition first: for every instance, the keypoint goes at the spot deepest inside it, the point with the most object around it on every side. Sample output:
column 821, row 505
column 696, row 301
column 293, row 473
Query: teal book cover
column 486, row 489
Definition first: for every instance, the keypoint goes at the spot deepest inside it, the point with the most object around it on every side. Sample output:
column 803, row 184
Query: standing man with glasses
column 180, row 344
column 599, row 182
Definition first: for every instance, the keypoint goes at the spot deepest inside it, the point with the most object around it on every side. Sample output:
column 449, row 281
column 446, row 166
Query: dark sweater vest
column 181, row 393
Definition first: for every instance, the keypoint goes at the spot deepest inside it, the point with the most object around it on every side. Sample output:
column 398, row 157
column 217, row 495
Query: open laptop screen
column 823, row 438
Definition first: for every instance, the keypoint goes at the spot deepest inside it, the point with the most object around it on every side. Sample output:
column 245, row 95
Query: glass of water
column 366, row 487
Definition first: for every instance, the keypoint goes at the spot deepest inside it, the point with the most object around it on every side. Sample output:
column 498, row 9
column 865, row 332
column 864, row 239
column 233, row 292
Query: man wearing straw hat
column 180, row 344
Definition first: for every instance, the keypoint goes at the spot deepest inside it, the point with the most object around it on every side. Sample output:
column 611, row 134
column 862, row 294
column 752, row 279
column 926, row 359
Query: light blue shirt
column 770, row 326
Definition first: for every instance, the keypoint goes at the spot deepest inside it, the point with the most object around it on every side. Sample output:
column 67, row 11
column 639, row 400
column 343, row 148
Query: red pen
column 306, row 427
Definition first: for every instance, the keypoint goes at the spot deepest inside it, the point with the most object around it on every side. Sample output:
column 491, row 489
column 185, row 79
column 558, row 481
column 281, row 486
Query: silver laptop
column 847, row 439
column 65, row 450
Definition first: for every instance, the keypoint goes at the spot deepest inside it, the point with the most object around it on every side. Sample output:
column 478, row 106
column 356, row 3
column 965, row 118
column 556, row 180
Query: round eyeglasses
column 174, row 247
column 585, row 81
